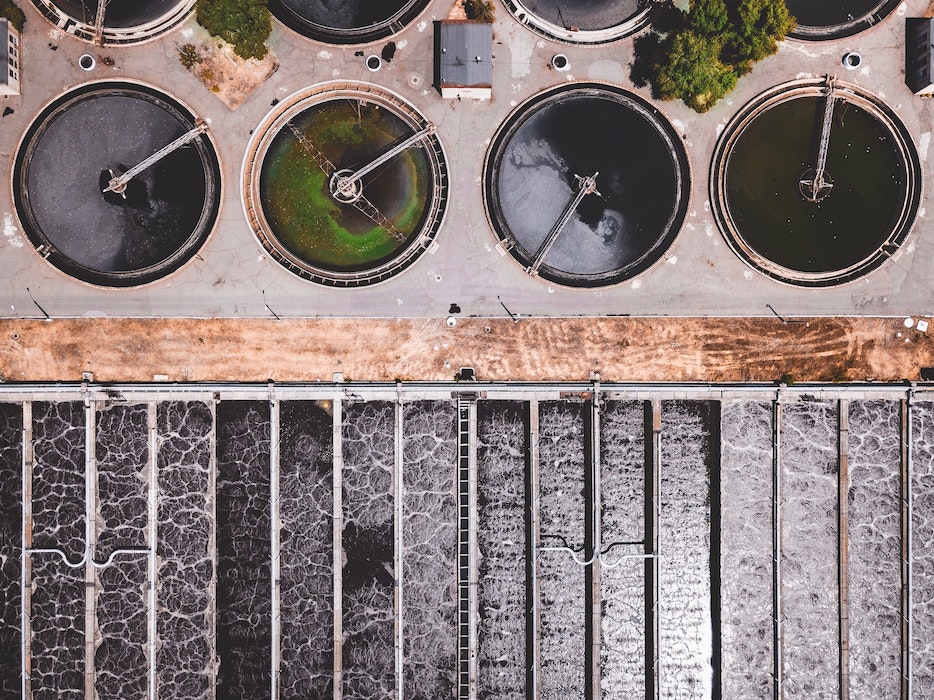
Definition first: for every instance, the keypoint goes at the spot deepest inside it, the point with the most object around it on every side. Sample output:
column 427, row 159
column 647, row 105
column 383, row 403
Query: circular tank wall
column 835, row 19
column 345, row 184
column 69, row 155
column 799, row 221
column 586, row 185
column 347, row 21
column 125, row 21
column 583, row 21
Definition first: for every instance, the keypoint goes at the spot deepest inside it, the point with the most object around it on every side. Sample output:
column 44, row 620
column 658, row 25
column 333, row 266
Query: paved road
column 699, row 275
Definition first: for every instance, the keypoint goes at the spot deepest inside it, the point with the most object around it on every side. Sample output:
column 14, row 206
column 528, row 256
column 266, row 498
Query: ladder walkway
column 817, row 183
column 99, row 21
column 344, row 182
column 825, row 130
column 361, row 203
column 586, row 185
column 326, row 165
column 466, row 489
column 119, row 182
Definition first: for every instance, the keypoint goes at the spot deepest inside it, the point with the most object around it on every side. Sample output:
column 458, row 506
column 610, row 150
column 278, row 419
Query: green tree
column 243, row 23
column 708, row 17
column 758, row 27
column 693, row 72
column 699, row 57
column 9, row 10
column 479, row 9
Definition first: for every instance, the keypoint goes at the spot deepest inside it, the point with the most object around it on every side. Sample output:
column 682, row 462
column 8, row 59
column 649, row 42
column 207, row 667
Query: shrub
column 479, row 9
column 245, row 24
column 12, row 13
column 189, row 55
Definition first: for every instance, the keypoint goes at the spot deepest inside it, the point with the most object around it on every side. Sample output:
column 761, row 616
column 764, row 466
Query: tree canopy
column 694, row 72
column 482, row 10
column 701, row 54
column 9, row 10
column 243, row 23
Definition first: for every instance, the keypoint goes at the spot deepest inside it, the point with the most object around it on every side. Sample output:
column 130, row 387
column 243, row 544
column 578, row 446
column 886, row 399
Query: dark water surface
column 827, row 13
column 847, row 226
column 11, row 513
column 296, row 199
column 119, row 13
column 429, row 541
column 347, row 14
column 122, row 458
column 502, row 427
column 67, row 157
column 184, row 590
column 244, row 545
column 368, row 582
column 58, row 513
column 580, row 133
column 586, row 15
column 306, row 509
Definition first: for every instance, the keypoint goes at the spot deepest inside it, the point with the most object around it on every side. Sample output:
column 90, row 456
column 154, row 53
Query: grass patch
column 245, row 24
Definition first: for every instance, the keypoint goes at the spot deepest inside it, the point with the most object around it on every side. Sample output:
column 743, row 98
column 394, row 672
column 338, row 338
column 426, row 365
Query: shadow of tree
column 648, row 50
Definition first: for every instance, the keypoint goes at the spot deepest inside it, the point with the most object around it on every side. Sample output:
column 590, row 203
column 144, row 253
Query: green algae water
column 846, row 227
column 297, row 202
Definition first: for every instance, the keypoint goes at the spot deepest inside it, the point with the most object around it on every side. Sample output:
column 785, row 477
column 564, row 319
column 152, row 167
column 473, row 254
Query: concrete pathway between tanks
column 620, row 349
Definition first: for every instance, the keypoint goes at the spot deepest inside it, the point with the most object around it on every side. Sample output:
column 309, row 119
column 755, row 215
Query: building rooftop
column 464, row 53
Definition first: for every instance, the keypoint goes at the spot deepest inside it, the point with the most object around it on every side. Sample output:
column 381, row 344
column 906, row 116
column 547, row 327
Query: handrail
column 598, row 556
column 87, row 558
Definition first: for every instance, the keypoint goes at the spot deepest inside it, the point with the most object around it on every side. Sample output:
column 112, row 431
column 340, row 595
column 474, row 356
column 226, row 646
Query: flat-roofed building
column 9, row 82
column 464, row 58
column 919, row 55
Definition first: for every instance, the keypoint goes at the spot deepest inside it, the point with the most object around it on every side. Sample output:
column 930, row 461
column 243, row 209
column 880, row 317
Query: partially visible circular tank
column 815, row 183
column 122, row 21
column 345, row 184
column 347, row 21
column 90, row 222
column 824, row 20
column 583, row 21
column 586, row 185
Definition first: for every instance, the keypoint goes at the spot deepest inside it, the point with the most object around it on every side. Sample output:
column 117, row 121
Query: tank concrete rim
column 302, row 26
column 542, row 27
column 786, row 92
column 116, row 36
column 879, row 13
column 269, row 128
column 653, row 257
column 191, row 251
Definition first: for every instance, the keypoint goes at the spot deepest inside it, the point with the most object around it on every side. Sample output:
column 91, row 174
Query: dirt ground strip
column 620, row 349
column 231, row 78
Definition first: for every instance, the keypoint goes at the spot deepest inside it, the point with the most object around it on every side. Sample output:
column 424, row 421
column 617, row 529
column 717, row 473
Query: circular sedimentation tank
column 815, row 183
column 583, row 21
column 586, row 185
column 347, row 21
column 835, row 19
column 345, row 184
column 124, row 21
column 140, row 231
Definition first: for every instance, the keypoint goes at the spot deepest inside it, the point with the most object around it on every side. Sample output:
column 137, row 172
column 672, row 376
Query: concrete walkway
column 698, row 276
